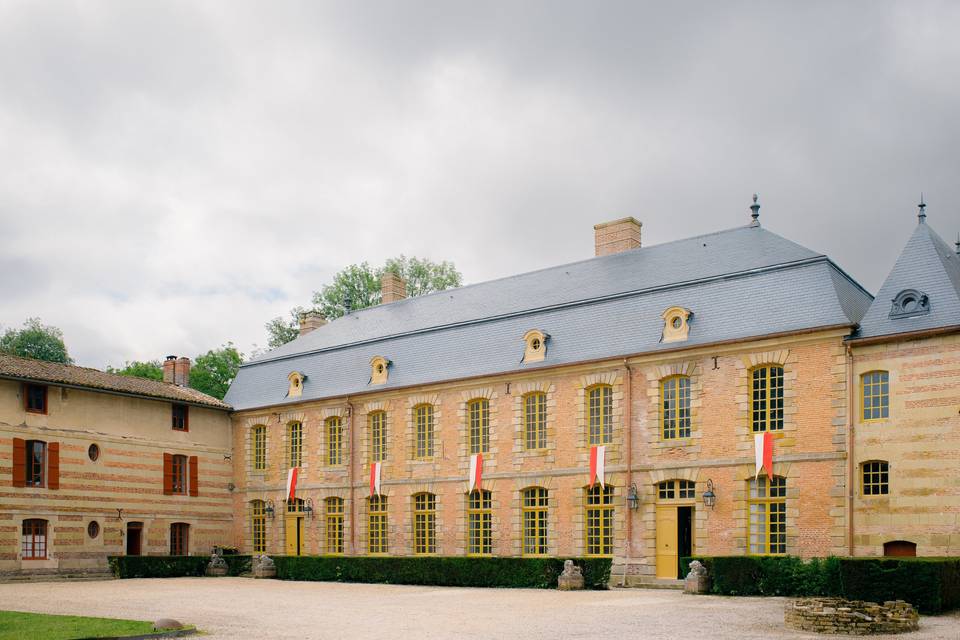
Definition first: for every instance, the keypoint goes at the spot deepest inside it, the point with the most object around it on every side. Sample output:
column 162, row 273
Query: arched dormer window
column 296, row 384
column 676, row 325
column 379, row 370
column 909, row 303
column 535, row 345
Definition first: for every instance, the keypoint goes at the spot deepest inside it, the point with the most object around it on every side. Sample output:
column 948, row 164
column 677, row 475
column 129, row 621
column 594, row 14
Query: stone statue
column 263, row 567
column 697, row 581
column 571, row 579
column 218, row 566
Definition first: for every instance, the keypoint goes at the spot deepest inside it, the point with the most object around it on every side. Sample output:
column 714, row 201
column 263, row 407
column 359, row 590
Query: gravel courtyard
column 244, row 608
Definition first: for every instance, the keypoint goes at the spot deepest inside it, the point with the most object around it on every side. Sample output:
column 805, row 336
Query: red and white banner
column 292, row 483
column 476, row 471
column 763, row 452
column 375, row 478
column 597, row 455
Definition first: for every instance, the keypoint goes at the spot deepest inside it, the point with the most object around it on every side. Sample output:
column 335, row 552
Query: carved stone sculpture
column 697, row 581
column 571, row 579
column 217, row 566
column 263, row 567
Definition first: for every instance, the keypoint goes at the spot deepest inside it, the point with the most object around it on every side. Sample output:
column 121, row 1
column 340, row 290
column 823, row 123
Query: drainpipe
column 628, row 424
column 851, row 459
column 351, row 472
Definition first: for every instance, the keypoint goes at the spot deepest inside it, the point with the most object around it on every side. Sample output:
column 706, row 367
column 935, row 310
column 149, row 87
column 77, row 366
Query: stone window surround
column 549, row 483
column 248, row 426
column 413, row 402
column 655, row 375
column 325, row 414
column 366, row 444
column 613, row 448
column 520, row 452
column 739, row 493
column 744, row 393
column 463, row 428
column 422, row 487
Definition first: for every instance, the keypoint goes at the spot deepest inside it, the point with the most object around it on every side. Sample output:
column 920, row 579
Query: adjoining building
column 98, row 464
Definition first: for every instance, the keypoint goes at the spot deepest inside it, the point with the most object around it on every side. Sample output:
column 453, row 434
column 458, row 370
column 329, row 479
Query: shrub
column 172, row 566
column 537, row 573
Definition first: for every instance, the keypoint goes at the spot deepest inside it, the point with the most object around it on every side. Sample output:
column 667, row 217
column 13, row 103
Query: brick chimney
column 616, row 236
column 392, row 288
column 311, row 320
column 168, row 369
column 181, row 373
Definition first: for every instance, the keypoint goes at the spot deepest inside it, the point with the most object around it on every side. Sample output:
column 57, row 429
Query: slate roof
column 740, row 283
column 929, row 265
column 12, row 367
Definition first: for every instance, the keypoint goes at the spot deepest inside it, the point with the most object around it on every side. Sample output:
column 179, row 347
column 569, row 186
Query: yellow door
column 667, row 542
column 294, row 532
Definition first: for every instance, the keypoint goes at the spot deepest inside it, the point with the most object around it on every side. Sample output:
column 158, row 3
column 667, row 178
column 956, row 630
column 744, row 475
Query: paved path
column 245, row 608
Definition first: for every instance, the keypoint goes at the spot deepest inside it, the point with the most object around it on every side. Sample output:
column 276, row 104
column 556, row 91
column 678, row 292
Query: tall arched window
column 600, row 414
column 258, row 526
column 478, row 418
column 258, row 441
column 675, row 407
column 334, row 441
column 875, row 395
column 767, row 500
column 294, row 444
column 535, row 532
column 33, row 542
column 535, row 420
column 767, row 398
column 423, row 421
column 378, row 436
column 424, row 523
column 479, row 523
column 598, row 520
column 377, row 524
column 334, row 522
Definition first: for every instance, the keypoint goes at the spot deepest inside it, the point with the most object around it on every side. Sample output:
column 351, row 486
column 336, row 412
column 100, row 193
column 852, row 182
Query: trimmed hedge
column 534, row 573
column 172, row 566
column 930, row 584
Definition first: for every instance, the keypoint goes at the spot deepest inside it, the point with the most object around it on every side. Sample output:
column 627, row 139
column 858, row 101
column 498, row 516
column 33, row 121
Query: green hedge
column 537, row 573
column 930, row 584
column 172, row 566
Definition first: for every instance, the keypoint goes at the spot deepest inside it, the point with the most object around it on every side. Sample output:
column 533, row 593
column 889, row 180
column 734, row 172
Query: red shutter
column 53, row 465
column 194, row 476
column 19, row 462
column 168, row 474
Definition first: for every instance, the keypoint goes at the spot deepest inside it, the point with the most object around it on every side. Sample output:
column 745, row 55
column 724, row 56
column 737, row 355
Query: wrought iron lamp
column 633, row 497
column 709, row 496
column 269, row 509
column 308, row 508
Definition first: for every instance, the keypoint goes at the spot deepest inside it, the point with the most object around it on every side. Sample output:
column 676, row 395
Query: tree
column 360, row 283
column 151, row 370
column 35, row 340
column 213, row 371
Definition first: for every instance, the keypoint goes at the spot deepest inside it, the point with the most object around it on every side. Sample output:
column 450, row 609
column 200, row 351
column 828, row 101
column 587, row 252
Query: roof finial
column 756, row 212
column 957, row 244
column 922, row 216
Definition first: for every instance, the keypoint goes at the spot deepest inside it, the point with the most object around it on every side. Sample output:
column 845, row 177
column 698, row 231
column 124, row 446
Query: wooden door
column 667, row 557
column 294, row 533
column 134, row 538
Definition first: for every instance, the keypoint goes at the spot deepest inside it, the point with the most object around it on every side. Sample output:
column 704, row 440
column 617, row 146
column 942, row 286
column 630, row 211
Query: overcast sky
column 172, row 175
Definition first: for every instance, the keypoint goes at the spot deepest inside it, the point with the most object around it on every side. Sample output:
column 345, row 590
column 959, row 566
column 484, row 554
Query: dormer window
column 909, row 303
column 676, row 326
column 535, row 342
column 296, row 384
column 379, row 370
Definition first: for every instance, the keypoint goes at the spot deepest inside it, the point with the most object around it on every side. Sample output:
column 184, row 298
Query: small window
column 179, row 470
column 33, row 544
column 909, row 303
column 93, row 529
column 295, row 390
column 93, row 452
column 379, row 370
column 875, row 395
column 35, row 398
column 181, row 417
column 535, row 345
column 673, row 489
column 36, row 463
column 876, row 478
column 179, row 539
column 676, row 327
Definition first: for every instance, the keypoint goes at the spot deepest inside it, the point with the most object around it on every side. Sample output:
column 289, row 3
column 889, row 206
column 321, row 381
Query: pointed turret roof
column 928, row 267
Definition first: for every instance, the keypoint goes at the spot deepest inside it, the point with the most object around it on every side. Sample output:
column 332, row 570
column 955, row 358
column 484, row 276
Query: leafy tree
column 213, row 371
column 151, row 370
column 360, row 283
column 35, row 340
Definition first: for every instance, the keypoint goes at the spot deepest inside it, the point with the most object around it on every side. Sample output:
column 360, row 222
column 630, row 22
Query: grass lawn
column 29, row 626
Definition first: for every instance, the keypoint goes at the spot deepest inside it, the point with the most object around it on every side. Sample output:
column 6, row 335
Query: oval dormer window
column 908, row 303
column 535, row 345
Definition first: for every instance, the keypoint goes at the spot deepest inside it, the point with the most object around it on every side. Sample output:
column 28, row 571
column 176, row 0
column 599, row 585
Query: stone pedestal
column 697, row 581
column 263, row 567
column 571, row 579
column 218, row 566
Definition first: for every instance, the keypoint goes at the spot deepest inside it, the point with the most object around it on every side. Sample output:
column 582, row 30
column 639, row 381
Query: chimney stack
column 168, row 369
column 392, row 288
column 616, row 236
column 181, row 373
column 310, row 320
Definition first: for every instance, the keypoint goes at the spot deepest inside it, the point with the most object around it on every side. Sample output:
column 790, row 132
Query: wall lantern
column 709, row 497
column 633, row 497
column 308, row 508
column 269, row 510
